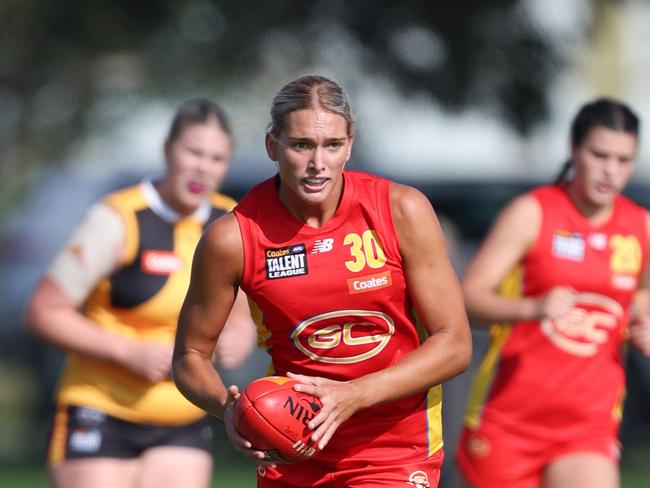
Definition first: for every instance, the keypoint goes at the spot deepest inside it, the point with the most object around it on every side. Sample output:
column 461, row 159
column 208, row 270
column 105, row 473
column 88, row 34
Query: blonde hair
column 305, row 92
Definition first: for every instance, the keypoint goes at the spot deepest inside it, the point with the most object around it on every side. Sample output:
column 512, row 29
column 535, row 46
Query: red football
column 273, row 417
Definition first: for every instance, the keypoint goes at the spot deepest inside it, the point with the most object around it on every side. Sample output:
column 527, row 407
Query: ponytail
column 563, row 175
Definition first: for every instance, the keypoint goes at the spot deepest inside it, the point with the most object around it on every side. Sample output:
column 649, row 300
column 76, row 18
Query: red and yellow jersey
column 553, row 378
column 332, row 302
column 140, row 300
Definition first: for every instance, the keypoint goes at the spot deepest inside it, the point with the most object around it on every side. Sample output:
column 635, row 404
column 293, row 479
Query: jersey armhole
column 388, row 223
column 247, row 249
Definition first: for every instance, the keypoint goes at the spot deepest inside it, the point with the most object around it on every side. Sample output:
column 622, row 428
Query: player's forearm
column 441, row 357
column 197, row 380
column 641, row 304
column 67, row 329
column 484, row 307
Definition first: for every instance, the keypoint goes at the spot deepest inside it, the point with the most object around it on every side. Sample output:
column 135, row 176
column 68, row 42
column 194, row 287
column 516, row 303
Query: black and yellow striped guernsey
column 142, row 300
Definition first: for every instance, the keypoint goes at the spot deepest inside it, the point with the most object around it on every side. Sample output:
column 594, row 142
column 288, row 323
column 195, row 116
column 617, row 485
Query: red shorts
column 491, row 457
column 346, row 474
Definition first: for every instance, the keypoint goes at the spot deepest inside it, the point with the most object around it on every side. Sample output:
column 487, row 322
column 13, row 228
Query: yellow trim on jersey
column 499, row 334
column 126, row 203
column 263, row 332
column 434, row 419
column 222, row 201
column 617, row 410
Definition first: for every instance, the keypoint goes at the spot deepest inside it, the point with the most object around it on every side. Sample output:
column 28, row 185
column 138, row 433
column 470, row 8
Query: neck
column 167, row 195
column 594, row 213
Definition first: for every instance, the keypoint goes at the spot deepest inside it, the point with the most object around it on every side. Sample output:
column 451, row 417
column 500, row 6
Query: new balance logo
column 323, row 245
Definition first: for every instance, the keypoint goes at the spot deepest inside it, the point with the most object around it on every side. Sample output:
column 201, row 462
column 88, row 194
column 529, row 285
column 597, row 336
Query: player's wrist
column 529, row 309
column 365, row 393
column 119, row 349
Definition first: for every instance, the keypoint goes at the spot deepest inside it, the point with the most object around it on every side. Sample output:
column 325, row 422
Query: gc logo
column 581, row 331
column 343, row 336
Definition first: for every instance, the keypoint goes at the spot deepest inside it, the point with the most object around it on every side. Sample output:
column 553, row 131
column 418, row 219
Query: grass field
column 635, row 474
column 233, row 476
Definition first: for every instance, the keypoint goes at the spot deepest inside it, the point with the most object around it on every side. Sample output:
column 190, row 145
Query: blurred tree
column 58, row 58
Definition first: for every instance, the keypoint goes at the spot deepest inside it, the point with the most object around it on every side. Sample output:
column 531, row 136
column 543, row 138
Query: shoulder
column 527, row 205
column 131, row 197
column 633, row 213
column 105, row 217
column 521, row 216
column 222, row 241
column 408, row 203
column 224, row 233
column 630, row 205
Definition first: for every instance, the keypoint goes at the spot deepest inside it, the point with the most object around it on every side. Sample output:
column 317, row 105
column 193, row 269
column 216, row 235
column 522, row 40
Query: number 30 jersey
column 332, row 302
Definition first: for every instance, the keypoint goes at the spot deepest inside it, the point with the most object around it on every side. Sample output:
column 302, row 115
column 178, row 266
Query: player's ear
column 271, row 147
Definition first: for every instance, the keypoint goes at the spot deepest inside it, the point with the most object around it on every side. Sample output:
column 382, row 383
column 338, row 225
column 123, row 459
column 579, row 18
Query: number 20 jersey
column 559, row 378
column 332, row 302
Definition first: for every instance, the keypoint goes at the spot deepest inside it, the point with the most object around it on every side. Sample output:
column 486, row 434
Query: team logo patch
column 285, row 262
column 597, row 241
column 479, row 446
column 419, row 479
column 323, row 245
column 159, row 262
column 368, row 283
column 568, row 246
column 343, row 336
column 85, row 440
column 586, row 326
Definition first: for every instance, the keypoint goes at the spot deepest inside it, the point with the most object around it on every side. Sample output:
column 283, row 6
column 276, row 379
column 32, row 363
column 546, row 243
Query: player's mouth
column 604, row 188
column 196, row 187
column 314, row 184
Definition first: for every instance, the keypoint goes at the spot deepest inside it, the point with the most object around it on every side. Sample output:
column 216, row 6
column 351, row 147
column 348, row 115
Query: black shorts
column 82, row 432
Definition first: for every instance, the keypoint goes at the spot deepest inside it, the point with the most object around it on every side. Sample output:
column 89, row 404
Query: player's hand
column 340, row 400
column 151, row 360
column 238, row 442
column 559, row 301
column 640, row 334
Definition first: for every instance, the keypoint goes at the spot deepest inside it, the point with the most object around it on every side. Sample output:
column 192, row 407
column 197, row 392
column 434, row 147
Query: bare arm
column 216, row 272
column 508, row 241
column 212, row 294
column 54, row 317
column 436, row 294
column 437, row 298
column 237, row 339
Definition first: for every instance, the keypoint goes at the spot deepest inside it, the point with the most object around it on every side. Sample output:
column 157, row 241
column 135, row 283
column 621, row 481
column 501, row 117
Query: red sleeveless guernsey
column 332, row 302
column 558, row 379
